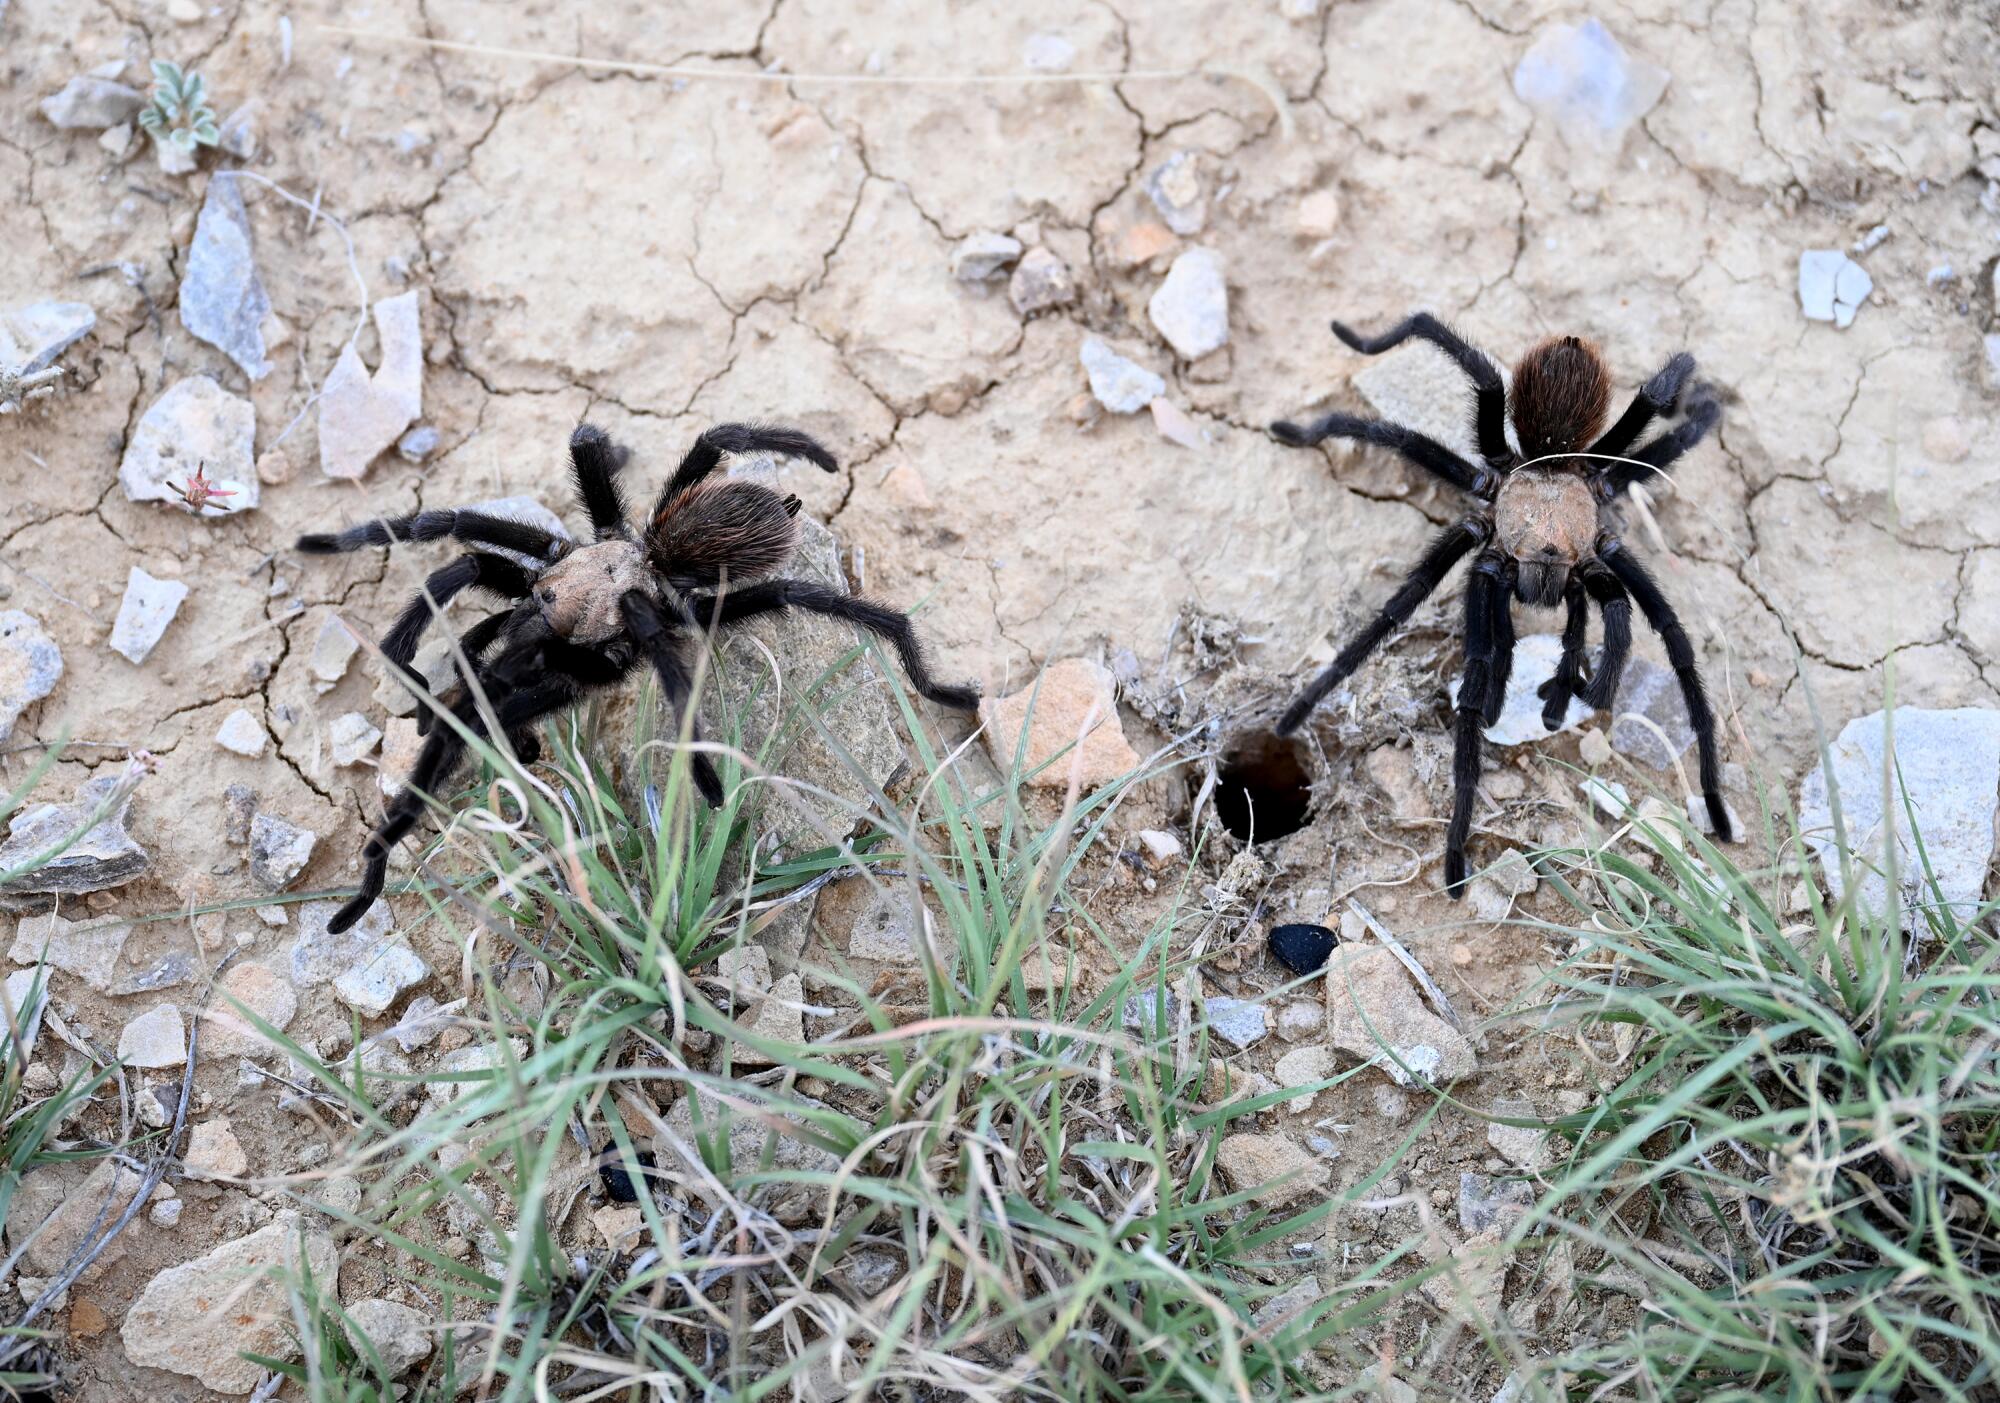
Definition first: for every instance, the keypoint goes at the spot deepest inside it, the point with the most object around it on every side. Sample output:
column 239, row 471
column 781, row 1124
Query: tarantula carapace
column 1542, row 529
column 587, row 616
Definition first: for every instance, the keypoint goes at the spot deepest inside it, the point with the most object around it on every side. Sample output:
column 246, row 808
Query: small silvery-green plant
column 177, row 113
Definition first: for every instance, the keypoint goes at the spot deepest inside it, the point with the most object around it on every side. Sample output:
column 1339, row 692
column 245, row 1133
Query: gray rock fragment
column 1176, row 189
column 87, row 949
column 30, row 666
column 279, row 851
column 1653, row 692
column 1580, row 78
column 1485, row 1202
column 1241, row 1023
column 1191, row 308
column 90, row 103
column 983, row 256
column 1041, row 280
column 1119, row 385
column 239, row 806
column 360, row 414
column 418, row 444
column 1832, row 286
column 195, row 424
column 222, row 299
column 104, row 856
column 143, row 615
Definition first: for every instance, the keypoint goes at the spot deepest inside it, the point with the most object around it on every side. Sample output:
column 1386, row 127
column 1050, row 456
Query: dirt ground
column 655, row 254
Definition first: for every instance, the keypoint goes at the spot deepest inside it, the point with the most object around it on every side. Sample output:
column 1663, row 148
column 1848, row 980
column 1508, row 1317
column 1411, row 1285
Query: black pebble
column 1303, row 949
column 618, row 1185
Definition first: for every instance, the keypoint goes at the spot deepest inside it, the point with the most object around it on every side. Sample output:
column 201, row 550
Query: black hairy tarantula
column 587, row 616
column 1543, row 528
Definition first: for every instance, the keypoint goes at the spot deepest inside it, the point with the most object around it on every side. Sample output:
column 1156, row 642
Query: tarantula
column 1543, row 528
column 586, row 616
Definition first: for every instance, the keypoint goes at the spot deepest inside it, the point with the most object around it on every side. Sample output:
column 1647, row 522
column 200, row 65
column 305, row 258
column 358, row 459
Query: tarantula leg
column 650, row 628
column 472, row 645
column 474, row 528
column 514, row 710
column 1503, row 645
column 1657, row 398
column 1481, row 650
column 1444, row 552
column 706, row 454
column 1427, row 453
column 768, row 596
column 1489, row 393
column 1680, row 653
column 594, row 463
column 1704, row 411
column 1568, row 680
column 1616, row 607
column 475, row 570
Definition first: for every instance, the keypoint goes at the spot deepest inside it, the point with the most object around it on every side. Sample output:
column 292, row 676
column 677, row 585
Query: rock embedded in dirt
column 143, row 615
column 1073, row 698
column 195, row 424
column 1273, row 1170
column 1302, row 948
column 34, row 334
column 1524, row 1146
column 1832, row 286
column 1520, row 723
column 1485, row 1202
column 366, row 964
column 352, row 738
column 90, row 103
column 154, row 1039
column 361, row 415
column 214, row 1152
column 1947, row 778
column 227, row 1032
column 1304, row 1066
column 1147, row 1011
column 418, row 444
column 178, row 1322
column 1375, row 1011
column 243, row 734
column 1579, row 78
column 222, row 300
column 69, row 1214
column 1118, row 384
column 104, row 857
column 333, row 649
column 870, row 922
column 1041, row 280
column 983, row 256
column 165, row 1213
column 87, row 949
column 1301, row 1019
column 398, row 1334
column 1319, row 215
column 1177, row 191
column 1653, row 692
column 30, row 666
column 1159, row 849
column 778, row 1018
column 1242, row 1023
column 279, row 851
column 1191, row 308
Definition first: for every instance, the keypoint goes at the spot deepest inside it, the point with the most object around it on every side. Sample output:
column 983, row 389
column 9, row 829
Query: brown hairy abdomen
column 1560, row 396
column 721, row 527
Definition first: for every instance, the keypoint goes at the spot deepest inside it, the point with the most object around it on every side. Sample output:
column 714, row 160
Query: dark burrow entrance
column 1263, row 786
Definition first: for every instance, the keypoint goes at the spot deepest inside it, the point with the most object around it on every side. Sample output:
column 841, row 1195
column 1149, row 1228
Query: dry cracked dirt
column 655, row 253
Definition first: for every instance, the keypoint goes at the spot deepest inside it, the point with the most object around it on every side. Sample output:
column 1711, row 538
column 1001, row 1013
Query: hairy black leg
column 514, row 710
column 594, row 462
column 1657, row 398
column 706, row 454
column 1704, row 412
column 1616, row 607
column 1481, row 650
column 658, row 642
column 1489, row 393
column 887, row 623
column 474, row 528
column 1568, row 680
column 472, row 644
column 1680, row 652
column 1443, row 553
column 472, row 571
column 1426, row 453
column 1503, row 645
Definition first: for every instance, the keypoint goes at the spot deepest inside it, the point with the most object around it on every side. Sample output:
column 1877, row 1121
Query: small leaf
column 206, row 134
column 184, row 139
column 166, row 72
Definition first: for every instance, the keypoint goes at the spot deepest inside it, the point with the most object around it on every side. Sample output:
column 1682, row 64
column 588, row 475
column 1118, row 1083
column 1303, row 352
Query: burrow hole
column 1263, row 787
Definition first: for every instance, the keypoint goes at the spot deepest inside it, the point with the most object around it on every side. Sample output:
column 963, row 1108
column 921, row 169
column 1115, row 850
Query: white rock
column 148, row 607
column 1191, row 308
column 1579, row 77
column 1119, row 385
column 333, row 649
column 30, row 666
column 1535, row 659
column 366, row 964
column 352, row 739
column 1992, row 345
column 195, row 424
column 222, row 300
column 176, row 1323
column 1161, row 848
column 155, row 1039
column 1241, row 1023
column 87, row 949
column 214, row 1152
column 361, row 415
column 983, row 256
column 165, row 1213
column 400, row 1335
column 92, row 104
column 1832, row 286
column 242, row 733
column 1947, row 773
column 279, row 851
